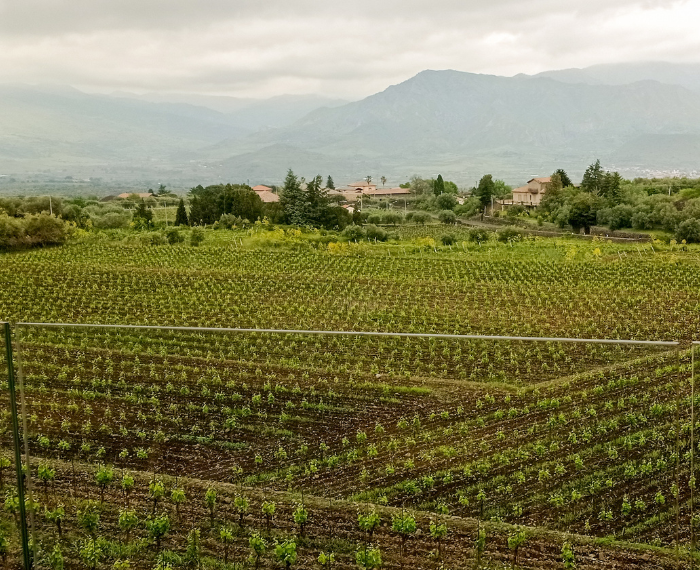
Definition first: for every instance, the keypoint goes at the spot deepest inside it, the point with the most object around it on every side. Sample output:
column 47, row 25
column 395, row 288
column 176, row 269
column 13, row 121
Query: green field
column 585, row 443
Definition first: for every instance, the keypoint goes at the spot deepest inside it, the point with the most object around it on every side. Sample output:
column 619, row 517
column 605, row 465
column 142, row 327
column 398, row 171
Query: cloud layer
column 261, row 49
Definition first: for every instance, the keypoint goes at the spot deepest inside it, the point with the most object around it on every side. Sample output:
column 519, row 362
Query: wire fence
column 108, row 422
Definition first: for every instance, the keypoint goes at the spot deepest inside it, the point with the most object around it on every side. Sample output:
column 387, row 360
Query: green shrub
column 478, row 235
column 354, row 233
column 11, row 232
column 448, row 239
column 447, row 216
column 229, row 221
column 515, row 211
column 392, row 218
column 374, row 233
column 111, row 220
column 174, row 236
column 509, row 234
column 446, row 201
column 689, row 230
column 196, row 237
column 470, row 208
column 420, row 218
column 32, row 230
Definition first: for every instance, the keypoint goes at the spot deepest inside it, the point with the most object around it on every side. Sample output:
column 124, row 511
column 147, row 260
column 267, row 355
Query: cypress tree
column 439, row 185
column 329, row 183
column 181, row 215
column 485, row 190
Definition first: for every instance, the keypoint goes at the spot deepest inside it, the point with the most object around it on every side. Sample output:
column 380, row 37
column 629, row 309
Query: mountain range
column 637, row 118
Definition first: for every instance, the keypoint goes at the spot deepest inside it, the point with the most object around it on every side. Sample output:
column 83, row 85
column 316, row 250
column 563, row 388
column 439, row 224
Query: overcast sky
column 348, row 49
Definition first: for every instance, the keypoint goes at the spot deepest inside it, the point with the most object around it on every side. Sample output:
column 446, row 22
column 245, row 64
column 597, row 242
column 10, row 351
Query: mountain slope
column 459, row 124
column 438, row 112
column 684, row 74
column 249, row 114
column 62, row 124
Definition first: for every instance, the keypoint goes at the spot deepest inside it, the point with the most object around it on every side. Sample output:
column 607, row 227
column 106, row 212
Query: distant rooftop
column 140, row 195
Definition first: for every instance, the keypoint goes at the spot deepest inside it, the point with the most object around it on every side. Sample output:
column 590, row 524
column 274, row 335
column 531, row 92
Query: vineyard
column 156, row 446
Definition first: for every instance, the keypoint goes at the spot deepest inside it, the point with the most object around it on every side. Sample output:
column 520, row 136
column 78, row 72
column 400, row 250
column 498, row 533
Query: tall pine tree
column 181, row 214
column 611, row 187
column 316, row 200
column 593, row 179
column 564, row 177
column 329, row 183
column 293, row 200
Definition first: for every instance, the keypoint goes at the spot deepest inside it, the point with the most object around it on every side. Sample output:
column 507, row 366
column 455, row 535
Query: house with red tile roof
column 531, row 194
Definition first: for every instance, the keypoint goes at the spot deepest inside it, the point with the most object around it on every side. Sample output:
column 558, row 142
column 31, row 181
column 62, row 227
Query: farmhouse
column 398, row 191
column 268, row 197
column 266, row 194
column 360, row 187
column 531, row 194
column 370, row 189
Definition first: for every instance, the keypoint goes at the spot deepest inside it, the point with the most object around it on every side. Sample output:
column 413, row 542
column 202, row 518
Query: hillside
column 460, row 124
column 60, row 130
column 686, row 75
column 450, row 116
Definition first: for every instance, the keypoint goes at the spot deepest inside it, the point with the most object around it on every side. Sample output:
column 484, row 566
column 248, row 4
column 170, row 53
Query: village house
column 364, row 188
column 360, row 187
column 380, row 192
column 266, row 194
column 531, row 194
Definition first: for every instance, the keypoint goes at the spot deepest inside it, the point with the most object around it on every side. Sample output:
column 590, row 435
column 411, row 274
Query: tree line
column 606, row 199
column 301, row 203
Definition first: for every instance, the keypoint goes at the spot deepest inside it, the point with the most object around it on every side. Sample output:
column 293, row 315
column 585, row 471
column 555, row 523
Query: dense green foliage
column 485, row 190
column 181, row 218
column 310, row 205
column 605, row 199
column 31, row 230
column 207, row 205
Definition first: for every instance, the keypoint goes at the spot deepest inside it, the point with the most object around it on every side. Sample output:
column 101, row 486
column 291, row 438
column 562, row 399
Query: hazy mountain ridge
column 458, row 123
column 440, row 113
column 246, row 113
column 684, row 74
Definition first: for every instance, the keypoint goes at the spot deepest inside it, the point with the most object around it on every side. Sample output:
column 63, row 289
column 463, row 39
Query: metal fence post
column 18, row 450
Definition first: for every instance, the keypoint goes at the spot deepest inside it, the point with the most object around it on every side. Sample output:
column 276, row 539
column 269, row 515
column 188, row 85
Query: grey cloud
column 69, row 16
column 345, row 49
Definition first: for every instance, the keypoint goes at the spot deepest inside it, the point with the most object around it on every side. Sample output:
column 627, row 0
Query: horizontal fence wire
column 359, row 333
